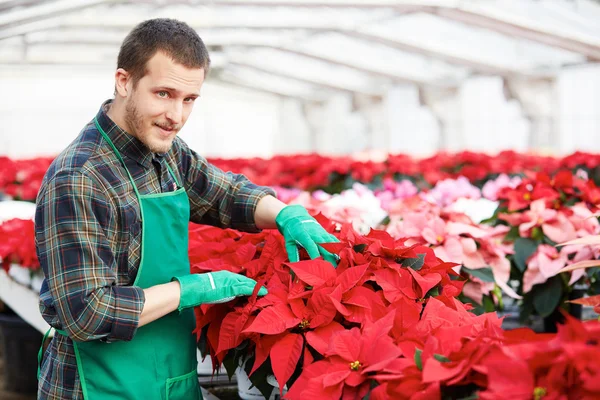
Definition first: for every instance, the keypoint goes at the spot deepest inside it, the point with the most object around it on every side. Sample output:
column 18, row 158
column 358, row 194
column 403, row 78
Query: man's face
column 162, row 101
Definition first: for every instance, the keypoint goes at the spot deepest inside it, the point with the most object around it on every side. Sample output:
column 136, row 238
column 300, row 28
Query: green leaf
column 549, row 242
column 474, row 396
column 203, row 342
column 513, row 234
column 418, row 359
column 372, row 386
column 230, row 363
column 477, row 308
column 524, row 248
column 547, row 296
column 441, row 358
column 433, row 292
column 488, row 304
column 537, row 233
column 386, row 221
column 526, row 309
column 485, row 274
column 359, row 248
column 414, row 263
column 259, row 377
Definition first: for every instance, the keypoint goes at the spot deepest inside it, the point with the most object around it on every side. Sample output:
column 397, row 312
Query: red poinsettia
column 353, row 358
column 17, row 243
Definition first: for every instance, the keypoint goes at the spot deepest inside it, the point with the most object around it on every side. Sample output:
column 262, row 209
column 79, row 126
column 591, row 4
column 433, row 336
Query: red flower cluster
column 557, row 191
column 21, row 179
column 311, row 171
column 17, row 243
column 385, row 322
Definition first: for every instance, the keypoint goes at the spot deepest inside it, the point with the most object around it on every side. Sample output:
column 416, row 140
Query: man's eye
column 163, row 93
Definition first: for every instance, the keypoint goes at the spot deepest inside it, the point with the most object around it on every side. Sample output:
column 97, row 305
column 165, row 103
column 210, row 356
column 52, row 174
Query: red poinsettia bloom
column 353, row 358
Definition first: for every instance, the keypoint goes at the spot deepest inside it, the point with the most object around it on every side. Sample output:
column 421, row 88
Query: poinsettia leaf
column 349, row 278
column 259, row 378
column 242, row 254
column 547, row 296
column 425, row 282
column 273, row 252
column 414, row 263
column 592, row 301
column 322, row 309
column 340, row 307
column 524, row 248
column 378, row 234
column 581, row 265
column 418, row 360
column 263, row 348
column 273, row 320
column 485, row 274
column 359, row 248
column 345, row 344
column 298, row 307
column 230, row 364
column 325, row 222
column 334, row 248
column 591, row 240
column 320, row 337
column 441, row 358
column 314, row 272
column 284, row 357
column 394, row 285
column 227, row 334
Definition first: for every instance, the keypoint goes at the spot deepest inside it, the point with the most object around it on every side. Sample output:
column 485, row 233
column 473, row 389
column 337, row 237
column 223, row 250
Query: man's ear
column 122, row 82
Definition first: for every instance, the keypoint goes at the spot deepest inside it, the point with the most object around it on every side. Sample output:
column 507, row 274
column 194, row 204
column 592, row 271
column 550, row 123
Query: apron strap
column 105, row 136
column 173, row 174
column 41, row 352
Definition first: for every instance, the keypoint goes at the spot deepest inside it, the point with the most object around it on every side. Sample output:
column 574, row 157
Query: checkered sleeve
column 220, row 198
column 73, row 216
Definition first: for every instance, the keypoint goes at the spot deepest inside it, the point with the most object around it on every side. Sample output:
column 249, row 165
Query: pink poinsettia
column 583, row 220
column 393, row 190
column 555, row 225
column 448, row 191
column 581, row 253
column 543, row 265
column 492, row 187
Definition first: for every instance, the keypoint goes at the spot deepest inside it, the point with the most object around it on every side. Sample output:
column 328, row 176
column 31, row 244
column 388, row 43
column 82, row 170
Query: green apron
column 160, row 361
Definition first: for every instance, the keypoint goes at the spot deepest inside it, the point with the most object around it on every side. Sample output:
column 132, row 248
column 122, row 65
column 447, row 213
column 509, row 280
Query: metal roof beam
column 396, row 78
column 257, row 88
column 281, row 74
column 468, row 13
column 45, row 10
column 397, row 44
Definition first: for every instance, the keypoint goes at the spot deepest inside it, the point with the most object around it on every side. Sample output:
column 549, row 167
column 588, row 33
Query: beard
column 135, row 124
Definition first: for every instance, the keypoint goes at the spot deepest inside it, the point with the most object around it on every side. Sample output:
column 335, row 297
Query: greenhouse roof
column 310, row 49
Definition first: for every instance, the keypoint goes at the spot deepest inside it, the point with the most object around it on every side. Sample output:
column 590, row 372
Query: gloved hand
column 214, row 287
column 299, row 228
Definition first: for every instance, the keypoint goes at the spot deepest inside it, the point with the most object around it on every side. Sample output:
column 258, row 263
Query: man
column 111, row 231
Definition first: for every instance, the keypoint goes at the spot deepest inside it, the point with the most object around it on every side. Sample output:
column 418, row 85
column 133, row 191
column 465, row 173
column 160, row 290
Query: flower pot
column 20, row 274
column 37, row 280
column 20, row 344
column 247, row 392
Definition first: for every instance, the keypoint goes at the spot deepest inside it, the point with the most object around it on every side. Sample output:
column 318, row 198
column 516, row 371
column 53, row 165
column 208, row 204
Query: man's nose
column 175, row 112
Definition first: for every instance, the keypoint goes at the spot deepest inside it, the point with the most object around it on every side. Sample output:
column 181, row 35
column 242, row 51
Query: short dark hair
column 175, row 38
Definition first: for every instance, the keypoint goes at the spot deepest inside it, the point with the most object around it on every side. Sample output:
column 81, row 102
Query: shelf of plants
column 431, row 252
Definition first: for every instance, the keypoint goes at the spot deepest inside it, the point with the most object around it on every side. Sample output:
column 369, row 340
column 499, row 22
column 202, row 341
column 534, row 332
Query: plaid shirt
column 88, row 236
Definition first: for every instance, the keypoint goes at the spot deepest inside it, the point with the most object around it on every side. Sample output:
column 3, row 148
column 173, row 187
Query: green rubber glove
column 214, row 287
column 299, row 228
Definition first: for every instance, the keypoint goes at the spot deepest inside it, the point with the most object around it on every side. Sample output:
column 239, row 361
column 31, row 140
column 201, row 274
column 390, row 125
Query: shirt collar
column 127, row 144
